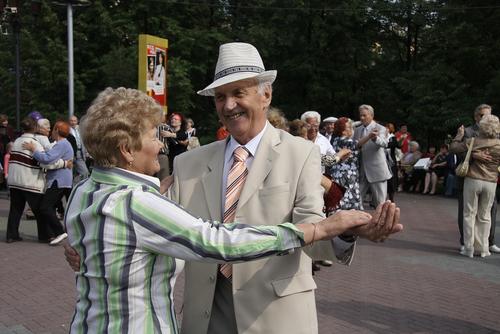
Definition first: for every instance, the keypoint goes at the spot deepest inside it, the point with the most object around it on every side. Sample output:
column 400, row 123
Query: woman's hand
column 460, row 133
column 30, row 146
column 72, row 257
column 344, row 154
column 334, row 225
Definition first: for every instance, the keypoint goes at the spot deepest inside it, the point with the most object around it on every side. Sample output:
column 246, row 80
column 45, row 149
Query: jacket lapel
column 261, row 165
column 212, row 182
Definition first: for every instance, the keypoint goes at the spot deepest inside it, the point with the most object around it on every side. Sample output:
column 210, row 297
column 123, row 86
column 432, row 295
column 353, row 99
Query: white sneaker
column 326, row 263
column 58, row 239
column 468, row 253
column 495, row 249
column 485, row 254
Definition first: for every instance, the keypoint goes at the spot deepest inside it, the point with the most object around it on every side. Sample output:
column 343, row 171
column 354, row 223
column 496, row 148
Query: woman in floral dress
column 346, row 172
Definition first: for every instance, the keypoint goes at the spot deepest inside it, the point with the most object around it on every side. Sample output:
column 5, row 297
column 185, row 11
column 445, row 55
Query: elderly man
column 280, row 183
column 81, row 170
column 313, row 119
column 473, row 131
column 258, row 175
column 329, row 126
column 374, row 171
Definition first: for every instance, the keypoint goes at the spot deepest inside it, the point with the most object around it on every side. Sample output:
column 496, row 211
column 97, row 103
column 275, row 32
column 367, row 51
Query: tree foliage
column 425, row 63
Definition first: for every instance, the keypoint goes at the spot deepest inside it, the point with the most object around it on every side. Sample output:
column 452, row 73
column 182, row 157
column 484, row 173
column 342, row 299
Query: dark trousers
column 460, row 191
column 392, row 183
column 18, row 199
column 48, row 209
column 222, row 318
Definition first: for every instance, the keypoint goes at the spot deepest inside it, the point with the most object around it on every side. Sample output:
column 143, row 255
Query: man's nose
column 230, row 103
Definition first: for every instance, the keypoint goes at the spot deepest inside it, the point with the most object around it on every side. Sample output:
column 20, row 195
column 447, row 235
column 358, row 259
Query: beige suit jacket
column 271, row 295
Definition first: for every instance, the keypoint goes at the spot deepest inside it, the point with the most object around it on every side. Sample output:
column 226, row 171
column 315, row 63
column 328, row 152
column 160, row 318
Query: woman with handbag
column 480, row 182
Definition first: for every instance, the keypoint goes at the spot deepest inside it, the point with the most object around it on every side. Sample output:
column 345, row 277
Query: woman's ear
column 126, row 154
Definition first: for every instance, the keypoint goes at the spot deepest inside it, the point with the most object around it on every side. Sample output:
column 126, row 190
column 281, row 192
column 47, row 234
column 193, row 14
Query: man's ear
column 126, row 154
column 267, row 96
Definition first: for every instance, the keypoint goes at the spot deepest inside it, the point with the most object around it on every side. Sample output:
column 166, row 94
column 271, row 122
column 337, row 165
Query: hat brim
column 267, row 76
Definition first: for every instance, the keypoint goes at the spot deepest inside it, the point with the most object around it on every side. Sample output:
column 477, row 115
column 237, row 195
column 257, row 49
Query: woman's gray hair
column 310, row 114
column 44, row 123
column 414, row 143
column 489, row 126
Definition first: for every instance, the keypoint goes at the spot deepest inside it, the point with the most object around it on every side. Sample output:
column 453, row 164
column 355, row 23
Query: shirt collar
column 370, row 124
column 251, row 146
column 119, row 176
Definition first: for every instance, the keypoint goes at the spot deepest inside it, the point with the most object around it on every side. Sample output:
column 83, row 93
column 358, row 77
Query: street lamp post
column 71, row 97
column 69, row 11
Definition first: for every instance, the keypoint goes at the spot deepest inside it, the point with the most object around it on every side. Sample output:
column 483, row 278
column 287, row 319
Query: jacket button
column 211, row 278
column 207, row 313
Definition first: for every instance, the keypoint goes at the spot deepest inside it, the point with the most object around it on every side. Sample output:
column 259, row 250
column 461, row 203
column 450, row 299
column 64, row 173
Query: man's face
column 329, row 126
column 312, row 130
column 365, row 117
column 481, row 113
column 242, row 109
column 73, row 121
column 404, row 129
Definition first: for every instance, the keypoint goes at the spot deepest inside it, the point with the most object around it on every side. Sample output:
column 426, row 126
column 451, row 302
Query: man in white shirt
column 313, row 119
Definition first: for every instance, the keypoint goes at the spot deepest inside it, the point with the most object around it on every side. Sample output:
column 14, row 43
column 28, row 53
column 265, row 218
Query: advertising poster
column 153, row 67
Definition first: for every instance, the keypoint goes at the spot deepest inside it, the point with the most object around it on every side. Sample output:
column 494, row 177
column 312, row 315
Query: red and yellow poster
column 153, row 67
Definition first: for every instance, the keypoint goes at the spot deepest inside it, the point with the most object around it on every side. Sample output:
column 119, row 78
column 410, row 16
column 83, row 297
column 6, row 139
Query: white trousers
column 478, row 199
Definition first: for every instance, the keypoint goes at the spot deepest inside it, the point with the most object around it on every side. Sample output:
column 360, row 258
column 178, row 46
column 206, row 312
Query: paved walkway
column 414, row 283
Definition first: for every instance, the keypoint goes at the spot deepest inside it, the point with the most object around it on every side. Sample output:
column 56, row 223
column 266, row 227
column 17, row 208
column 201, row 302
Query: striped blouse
column 131, row 239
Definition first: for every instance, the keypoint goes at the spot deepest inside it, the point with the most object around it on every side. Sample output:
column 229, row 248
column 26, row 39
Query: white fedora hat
column 238, row 61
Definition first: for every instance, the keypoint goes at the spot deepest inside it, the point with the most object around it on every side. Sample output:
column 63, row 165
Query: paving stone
column 415, row 282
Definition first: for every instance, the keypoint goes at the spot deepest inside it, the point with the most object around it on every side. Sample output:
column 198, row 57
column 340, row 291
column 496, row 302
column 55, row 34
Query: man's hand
column 385, row 221
column 69, row 164
column 166, row 183
column 72, row 257
column 483, row 156
column 373, row 134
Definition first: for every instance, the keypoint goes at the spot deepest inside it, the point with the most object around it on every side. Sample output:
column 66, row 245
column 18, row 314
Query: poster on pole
column 153, row 68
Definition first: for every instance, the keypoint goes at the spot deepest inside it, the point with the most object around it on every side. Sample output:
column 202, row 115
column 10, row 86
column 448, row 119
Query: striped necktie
column 235, row 181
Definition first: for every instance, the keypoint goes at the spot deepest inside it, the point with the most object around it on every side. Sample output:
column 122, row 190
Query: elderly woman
column 58, row 180
column 407, row 161
column 345, row 172
column 129, row 235
column 480, row 183
column 43, row 133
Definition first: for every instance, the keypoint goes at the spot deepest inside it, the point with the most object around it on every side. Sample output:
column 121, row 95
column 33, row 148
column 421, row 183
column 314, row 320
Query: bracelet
column 314, row 234
column 348, row 238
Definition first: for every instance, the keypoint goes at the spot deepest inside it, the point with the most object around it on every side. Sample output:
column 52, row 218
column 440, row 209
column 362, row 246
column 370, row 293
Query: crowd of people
column 371, row 162
column 246, row 217
column 40, row 167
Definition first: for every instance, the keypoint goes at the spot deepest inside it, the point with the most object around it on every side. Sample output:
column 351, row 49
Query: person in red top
column 403, row 137
column 222, row 133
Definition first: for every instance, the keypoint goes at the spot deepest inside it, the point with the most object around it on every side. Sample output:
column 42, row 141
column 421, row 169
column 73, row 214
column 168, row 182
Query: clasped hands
column 376, row 227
